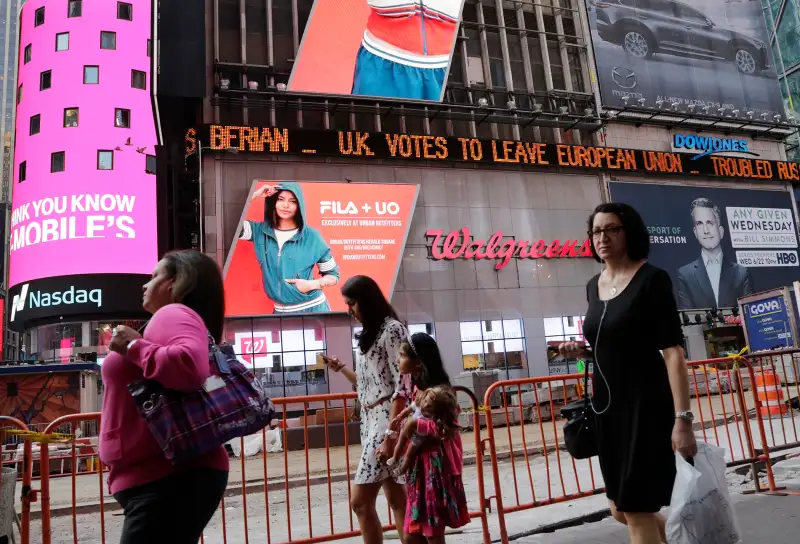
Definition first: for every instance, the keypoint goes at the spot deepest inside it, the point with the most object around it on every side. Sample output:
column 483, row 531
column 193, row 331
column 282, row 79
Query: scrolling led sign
column 380, row 146
column 459, row 244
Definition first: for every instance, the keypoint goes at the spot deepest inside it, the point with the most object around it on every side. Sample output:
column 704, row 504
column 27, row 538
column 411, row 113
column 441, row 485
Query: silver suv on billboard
column 647, row 27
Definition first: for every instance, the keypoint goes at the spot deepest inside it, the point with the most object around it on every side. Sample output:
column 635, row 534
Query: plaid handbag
column 231, row 403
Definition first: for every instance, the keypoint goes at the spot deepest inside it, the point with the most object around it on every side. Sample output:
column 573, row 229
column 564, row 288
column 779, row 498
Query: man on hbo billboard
column 714, row 280
column 717, row 244
column 297, row 240
column 713, row 55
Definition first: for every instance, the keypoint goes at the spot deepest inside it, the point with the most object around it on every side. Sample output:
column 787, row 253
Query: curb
column 592, row 517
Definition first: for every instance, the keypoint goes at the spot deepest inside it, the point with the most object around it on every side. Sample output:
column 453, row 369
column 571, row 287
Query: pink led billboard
column 83, row 202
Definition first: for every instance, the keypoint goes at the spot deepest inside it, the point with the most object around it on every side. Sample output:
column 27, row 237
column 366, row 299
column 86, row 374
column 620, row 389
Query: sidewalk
column 763, row 518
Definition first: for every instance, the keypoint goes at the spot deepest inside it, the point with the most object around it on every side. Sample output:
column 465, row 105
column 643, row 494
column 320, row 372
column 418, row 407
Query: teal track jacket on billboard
column 296, row 260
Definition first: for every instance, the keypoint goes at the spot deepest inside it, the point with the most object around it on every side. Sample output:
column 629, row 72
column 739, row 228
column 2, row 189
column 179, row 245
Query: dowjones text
column 72, row 217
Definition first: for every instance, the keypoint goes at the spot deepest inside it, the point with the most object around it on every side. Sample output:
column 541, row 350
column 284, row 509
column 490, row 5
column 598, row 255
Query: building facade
column 520, row 71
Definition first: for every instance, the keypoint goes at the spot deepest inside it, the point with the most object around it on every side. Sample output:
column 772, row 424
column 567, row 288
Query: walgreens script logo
column 460, row 245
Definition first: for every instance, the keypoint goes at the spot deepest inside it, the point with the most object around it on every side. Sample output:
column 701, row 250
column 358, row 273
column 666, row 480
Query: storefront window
column 556, row 331
column 413, row 328
column 495, row 344
column 282, row 352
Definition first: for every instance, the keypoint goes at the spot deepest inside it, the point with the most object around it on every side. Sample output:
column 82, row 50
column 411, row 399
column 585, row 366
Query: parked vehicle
column 646, row 27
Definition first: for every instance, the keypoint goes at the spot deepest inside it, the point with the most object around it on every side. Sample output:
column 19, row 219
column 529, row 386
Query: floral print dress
column 379, row 379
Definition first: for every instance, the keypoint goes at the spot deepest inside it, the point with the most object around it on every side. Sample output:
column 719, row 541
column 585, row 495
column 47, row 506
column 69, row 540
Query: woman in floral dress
column 383, row 393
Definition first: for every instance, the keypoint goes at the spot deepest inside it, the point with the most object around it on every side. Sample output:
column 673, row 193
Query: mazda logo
column 624, row 77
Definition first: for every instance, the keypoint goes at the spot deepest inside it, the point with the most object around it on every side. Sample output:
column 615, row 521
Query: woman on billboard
column 288, row 250
column 406, row 47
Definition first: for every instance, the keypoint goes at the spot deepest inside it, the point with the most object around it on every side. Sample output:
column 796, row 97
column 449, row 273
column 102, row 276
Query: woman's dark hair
column 372, row 305
column 271, row 217
column 636, row 235
column 197, row 283
column 424, row 348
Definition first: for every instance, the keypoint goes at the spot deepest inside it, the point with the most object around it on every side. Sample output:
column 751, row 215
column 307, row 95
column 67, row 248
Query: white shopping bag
column 701, row 511
column 254, row 443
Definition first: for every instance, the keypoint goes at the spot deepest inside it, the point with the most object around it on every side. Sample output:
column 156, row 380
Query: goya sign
column 459, row 244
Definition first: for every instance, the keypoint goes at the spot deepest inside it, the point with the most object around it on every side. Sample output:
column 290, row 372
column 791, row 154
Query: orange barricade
column 302, row 494
column 299, row 495
column 27, row 495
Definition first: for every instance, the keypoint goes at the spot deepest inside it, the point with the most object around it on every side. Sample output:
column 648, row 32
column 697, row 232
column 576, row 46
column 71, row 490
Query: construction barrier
column 302, row 493
column 27, row 495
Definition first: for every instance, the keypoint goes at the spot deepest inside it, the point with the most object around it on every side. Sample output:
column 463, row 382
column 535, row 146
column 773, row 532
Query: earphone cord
column 597, row 364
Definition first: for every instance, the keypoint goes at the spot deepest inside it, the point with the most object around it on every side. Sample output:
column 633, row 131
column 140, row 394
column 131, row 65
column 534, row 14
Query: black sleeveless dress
column 635, row 430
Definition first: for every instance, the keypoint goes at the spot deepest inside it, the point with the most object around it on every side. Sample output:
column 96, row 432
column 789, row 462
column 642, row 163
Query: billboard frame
column 368, row 97
column 780, row 292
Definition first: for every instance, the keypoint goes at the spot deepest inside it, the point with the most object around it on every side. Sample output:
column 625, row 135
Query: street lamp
column 201, row 193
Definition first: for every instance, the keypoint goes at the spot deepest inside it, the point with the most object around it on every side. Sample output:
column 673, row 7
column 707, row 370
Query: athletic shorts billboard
column 717, row 244
column 382, row 48
column 297, row 243
column 711, row 53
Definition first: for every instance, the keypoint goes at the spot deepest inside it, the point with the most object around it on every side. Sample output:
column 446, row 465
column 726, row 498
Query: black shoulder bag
column 580, row 435
column 579, row 430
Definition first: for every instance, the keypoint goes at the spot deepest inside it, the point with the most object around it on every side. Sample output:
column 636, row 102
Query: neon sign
column 708, row 145
column 459, row 244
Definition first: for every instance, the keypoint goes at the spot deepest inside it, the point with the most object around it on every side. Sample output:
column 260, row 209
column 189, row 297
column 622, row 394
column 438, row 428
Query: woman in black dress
column 641, row 399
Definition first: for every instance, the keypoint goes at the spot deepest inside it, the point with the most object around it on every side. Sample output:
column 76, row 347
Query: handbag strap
column 586, row 385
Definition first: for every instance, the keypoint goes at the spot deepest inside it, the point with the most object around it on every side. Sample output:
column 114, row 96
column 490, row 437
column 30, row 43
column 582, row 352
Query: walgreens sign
column 459, row 244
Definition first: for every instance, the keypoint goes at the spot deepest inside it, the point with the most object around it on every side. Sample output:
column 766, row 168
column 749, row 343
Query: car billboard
column 298, row 242
column 714, row 54
column 717, row 244
column 83, row 217
column 380, row 48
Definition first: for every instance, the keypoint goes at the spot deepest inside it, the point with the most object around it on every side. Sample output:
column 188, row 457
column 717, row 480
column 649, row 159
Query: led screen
column 83, row 203
column 712, row 54
column 385, row 48
column 297, row 243
column 718, row 244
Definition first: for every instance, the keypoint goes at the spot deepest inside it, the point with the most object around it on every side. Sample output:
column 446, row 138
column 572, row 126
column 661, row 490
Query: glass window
column 62, row 41
column 38, row 17
column 19, row 93
column 122, row 118
column 124, row 11
column 282, row 353
column 45, row 80
column 149, row 48
column 91, row 75
column 150, row 164
column 35, row 124
column 28, row 52
column 493, row 344
column 138, row 79
column 105, row 160
column 75, row 8
column 70, row 117
column 23, row 171
column 108, row 40
column 427, row 328
column 57, row 161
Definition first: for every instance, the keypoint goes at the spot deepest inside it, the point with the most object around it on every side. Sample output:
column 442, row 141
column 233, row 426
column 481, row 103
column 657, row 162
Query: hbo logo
column 786, row 257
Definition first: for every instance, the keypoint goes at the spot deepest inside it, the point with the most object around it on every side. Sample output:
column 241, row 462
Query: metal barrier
column 729, row 413
column 27, row 495
column 301, row 495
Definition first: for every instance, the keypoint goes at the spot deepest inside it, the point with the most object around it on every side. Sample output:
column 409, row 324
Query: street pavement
column 763, row 518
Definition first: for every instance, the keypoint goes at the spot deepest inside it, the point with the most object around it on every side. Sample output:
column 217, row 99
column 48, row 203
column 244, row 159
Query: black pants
column 173, row 510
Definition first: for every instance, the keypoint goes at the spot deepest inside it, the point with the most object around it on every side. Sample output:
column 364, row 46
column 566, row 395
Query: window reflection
column 493, row 344
column 282, row 353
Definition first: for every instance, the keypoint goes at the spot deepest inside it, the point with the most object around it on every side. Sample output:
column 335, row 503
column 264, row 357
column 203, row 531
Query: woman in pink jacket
column 164, row 503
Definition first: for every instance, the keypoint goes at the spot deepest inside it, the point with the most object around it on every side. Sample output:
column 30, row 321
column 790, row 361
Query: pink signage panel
column 87, row 211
